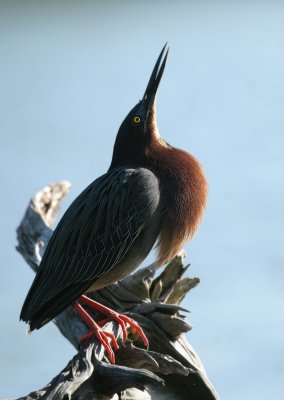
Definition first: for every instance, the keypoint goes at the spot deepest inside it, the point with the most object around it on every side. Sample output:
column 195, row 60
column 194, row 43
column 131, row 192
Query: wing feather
column 94, row 235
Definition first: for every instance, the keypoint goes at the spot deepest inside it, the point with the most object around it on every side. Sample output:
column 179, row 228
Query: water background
column 69, row 73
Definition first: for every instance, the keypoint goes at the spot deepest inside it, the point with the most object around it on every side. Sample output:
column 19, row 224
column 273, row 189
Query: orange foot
column 95, row 329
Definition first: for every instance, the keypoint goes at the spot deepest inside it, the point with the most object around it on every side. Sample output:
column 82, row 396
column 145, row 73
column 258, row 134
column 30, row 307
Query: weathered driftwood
column 169, row 369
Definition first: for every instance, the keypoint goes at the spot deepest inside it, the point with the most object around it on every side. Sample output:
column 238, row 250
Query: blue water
column 70, row 71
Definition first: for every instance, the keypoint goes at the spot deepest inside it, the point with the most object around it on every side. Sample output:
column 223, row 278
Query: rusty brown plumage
column 183, row 181
column 186, row 186
column 183, row 186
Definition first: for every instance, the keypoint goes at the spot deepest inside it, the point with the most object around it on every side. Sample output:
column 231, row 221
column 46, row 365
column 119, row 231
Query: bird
column 153, row 195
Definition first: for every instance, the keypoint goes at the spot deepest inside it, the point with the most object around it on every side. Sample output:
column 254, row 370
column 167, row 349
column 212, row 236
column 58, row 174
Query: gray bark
column 169, row 369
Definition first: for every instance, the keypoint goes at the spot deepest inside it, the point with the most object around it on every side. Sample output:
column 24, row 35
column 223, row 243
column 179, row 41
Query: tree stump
column 168, row 369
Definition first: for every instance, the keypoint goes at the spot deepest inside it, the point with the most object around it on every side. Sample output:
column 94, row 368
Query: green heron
column 152, row 193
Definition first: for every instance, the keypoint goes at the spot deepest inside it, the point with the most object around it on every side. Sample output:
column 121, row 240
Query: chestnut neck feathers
column 183, row 186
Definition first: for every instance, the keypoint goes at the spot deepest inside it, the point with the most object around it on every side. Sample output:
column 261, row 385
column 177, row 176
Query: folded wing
column 93, row 236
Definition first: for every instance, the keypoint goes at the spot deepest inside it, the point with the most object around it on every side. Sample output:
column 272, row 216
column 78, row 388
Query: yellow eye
column 136, row 120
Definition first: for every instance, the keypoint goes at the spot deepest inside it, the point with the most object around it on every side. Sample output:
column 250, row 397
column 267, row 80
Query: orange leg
column 95, row 329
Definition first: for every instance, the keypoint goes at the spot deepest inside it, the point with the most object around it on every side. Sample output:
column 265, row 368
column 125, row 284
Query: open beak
column 153, row 84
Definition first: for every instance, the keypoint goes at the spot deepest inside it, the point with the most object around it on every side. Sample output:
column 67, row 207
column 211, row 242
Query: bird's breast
column 183, row 191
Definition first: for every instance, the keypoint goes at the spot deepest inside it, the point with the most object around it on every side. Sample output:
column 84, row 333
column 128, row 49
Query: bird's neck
column 183, row 190
column 184, row 193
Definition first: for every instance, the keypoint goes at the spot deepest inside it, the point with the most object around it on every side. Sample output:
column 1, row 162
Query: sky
column 70, row 72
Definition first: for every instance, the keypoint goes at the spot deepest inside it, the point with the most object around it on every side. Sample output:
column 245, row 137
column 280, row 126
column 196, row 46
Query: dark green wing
column 94, row 235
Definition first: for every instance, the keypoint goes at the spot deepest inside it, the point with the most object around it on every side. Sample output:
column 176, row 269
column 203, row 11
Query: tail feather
column 41, row 312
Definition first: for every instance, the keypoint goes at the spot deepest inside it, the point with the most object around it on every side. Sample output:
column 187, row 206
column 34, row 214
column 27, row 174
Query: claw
column 107, row 338
column 135, row 328
column 121, row 319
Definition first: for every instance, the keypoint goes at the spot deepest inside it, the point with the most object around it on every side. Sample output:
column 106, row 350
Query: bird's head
column 139, row 126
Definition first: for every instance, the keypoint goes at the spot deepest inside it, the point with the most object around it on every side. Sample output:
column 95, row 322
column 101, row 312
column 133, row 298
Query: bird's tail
column 38, row 308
